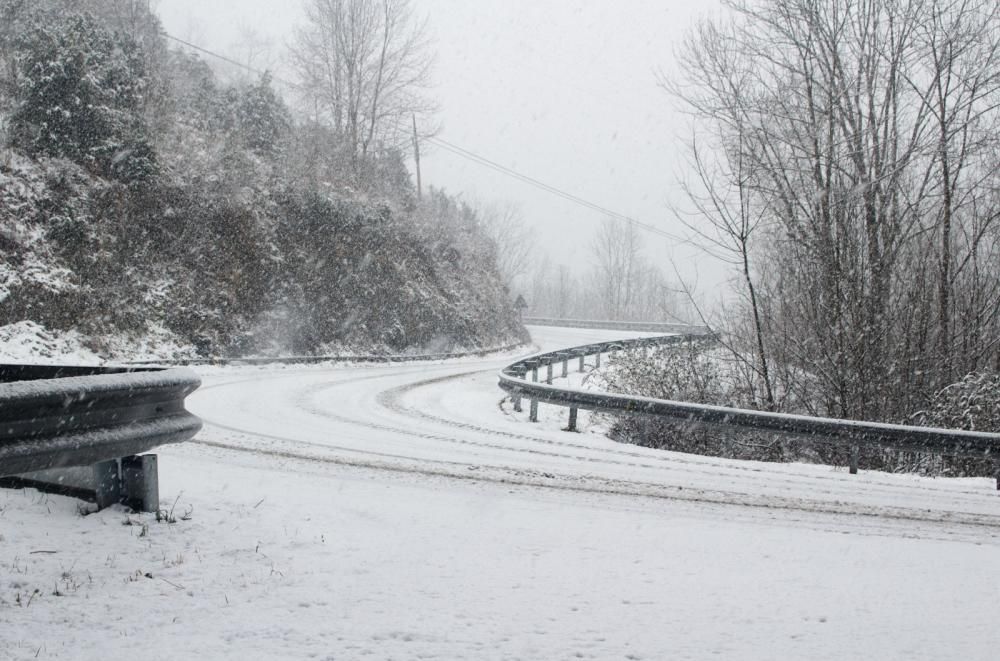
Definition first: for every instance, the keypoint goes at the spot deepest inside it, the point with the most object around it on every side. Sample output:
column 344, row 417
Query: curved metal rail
column 53, row 417
column 643, row 326
column 77, row 430
column 850, row 433
column 309, row 360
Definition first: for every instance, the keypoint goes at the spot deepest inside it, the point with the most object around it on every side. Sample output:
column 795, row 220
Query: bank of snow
column 305, row 560
column 28, row 342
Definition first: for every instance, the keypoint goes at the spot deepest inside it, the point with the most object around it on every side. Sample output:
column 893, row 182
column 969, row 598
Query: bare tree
column 540, row 296
column 254, row 50
column 957, row 79
column 364, row 66
column 511, row 238
column 566, row 293
column 857, row 138
column 617, row 261
column 725, row 219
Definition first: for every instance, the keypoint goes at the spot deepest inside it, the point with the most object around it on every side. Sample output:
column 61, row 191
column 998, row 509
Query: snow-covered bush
column 701, row 371
column 78, row 94
column 972, row 404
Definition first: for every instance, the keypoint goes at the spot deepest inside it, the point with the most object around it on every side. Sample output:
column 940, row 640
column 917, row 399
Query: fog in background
column 563, row 92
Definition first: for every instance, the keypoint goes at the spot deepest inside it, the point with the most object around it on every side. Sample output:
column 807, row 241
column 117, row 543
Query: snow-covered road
column 398, row 512
column 447, row 419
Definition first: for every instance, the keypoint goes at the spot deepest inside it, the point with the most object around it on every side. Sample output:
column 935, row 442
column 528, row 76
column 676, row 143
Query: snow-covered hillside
column 150, row 208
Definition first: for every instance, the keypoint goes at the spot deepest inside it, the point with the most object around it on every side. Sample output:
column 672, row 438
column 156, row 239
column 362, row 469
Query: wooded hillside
column 140, row 198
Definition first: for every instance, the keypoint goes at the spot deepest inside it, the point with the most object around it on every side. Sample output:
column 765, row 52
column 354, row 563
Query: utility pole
column 416, row 156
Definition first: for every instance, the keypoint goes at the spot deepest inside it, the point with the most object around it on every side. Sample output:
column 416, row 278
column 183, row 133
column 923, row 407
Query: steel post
column 107, row 483
column 533, row 408
column 140, row 483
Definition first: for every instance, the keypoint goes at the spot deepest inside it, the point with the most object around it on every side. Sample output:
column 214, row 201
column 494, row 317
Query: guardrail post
column 855, row 452
column 548, row 374
column 582, row 356
column 572, row 419
column 565, row 372
column 516, row 395
column 107, row 483
column 533, row 408
column 140, row 483
column 598, row 363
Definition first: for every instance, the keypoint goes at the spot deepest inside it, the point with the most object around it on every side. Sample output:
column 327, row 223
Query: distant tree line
column 619, row 282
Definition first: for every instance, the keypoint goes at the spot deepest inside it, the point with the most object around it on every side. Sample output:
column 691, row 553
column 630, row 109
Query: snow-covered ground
column 402, row 512
column 30, row 343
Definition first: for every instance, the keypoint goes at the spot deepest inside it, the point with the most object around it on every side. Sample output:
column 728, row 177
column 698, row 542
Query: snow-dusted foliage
column 140, row 199
column 704, row 372
column 972, row 403
column 78, row 91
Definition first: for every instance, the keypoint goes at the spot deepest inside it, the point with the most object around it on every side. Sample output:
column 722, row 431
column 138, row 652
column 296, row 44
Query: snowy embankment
column 27, row 342
column 401, row 512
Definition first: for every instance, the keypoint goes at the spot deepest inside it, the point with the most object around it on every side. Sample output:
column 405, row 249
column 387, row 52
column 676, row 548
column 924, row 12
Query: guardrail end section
column 132, row 481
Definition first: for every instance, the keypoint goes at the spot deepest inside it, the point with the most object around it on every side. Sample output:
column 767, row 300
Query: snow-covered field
column 400, row 512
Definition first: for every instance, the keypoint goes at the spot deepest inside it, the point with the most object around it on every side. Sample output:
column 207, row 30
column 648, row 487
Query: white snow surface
column 27, row 342
column 31, row 343
column 404, row 512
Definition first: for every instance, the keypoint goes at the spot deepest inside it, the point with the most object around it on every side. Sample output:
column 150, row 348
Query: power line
column 474, row 157
column 482, row 160
column 232, row 61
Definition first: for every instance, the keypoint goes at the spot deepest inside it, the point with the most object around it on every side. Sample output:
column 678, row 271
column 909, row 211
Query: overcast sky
column 563, row 91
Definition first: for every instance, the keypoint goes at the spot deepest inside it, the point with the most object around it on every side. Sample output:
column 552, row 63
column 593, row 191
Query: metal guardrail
column 57, row 423
column 79, row 430
column 311, row 360
column 850, row 433
column 641, row 326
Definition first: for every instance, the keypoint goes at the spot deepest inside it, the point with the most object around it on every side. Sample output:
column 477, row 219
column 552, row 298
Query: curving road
column 447, row 419
column 400, row 512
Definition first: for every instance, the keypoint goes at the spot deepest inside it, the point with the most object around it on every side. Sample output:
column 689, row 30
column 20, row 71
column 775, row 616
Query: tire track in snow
column 511, row 475
column 392, row 400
